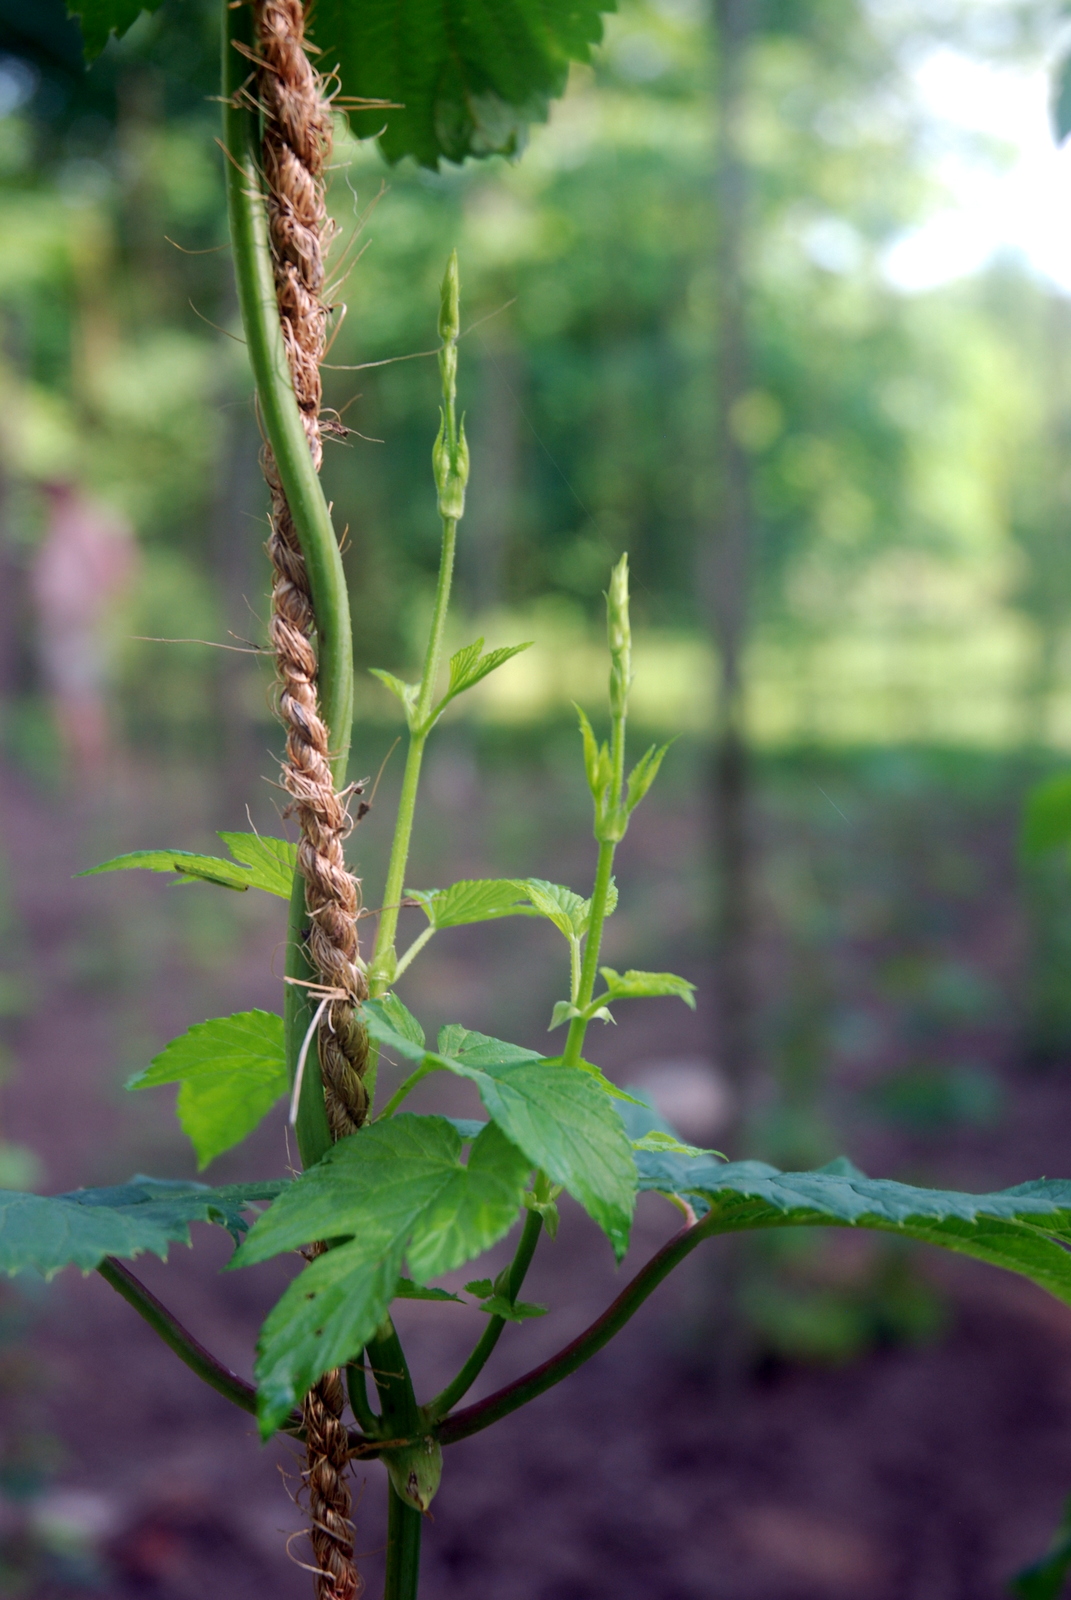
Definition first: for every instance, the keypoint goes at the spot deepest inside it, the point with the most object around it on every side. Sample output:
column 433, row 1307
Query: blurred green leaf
column 932, row 1098
column 467, row 76
column 101, row 18
column 1047, row 817
column 232, row 1071
column 405, row 692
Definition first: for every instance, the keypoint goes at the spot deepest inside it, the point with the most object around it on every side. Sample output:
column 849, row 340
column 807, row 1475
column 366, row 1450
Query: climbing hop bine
column 295, row 147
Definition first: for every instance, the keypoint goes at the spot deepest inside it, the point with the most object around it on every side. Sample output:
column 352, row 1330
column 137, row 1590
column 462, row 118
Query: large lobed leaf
column 466, row 76
column 395, row 1190
column 231, row 1070
column 1025, row 1229
column 560, row 1116
column 43, row 1233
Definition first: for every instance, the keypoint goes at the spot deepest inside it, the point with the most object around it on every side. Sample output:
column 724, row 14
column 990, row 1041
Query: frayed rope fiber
column 296, row 146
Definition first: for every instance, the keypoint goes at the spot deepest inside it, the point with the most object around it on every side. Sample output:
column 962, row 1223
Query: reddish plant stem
column 462, row 1424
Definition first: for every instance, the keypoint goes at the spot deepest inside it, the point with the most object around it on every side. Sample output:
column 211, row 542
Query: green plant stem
column 390, row 1371
column 381, row 973
column 404, row 1528
column 476, row 1362
column 175, row 1336
column 281, row 421
column 481, row 1415
column 578, row 1027
column 610, row 823
column 414, row 949
column 401, row 1418
column 357, row 1389
column 405, row 1089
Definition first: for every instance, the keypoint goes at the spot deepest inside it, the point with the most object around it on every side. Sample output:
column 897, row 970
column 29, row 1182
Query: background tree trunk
column 727, row 556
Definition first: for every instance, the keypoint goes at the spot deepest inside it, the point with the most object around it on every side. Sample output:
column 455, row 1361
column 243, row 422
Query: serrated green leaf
column 405, row 692
column 323, row 1320
column 401, row 1019
column 468, row 667
column 232, row 1071
column 474, row 1209
column 561, row 1119
column 480, row 1287
column 272, row 862
column 466, row 77
column 1024, row 1229
column 479, row 1050
column 565, row 1125
column 471, row 900
column 44, row 1233
column 1047, row 817
column 395, row 1189
column 184, row 863
column 561, row 906
column 101, row 18
column 568, row 911
column 408, row 1290
column 643, row 775
column 640, row 985
column 259, row 863
column 373, row 1184
column 511, row 1310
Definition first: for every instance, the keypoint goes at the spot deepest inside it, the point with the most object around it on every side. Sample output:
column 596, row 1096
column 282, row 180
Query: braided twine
column 295, row 148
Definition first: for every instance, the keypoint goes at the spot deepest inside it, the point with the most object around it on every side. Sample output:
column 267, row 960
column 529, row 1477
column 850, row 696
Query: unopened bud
column 619, row 635
column 617, row 623
column 451, row 469
column 450, row 301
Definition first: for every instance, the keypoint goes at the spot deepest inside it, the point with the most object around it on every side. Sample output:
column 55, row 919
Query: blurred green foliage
column 906, row 452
